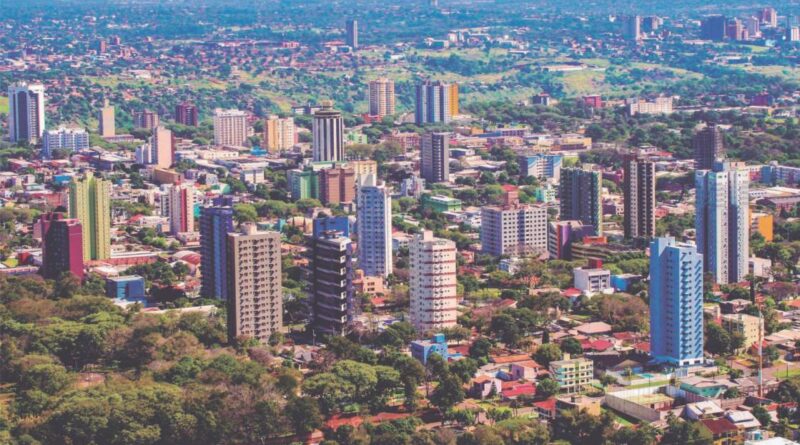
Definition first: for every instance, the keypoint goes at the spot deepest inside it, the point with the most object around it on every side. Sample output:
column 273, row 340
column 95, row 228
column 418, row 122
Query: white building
column 161, row 145
column 26, row 112
column 432, row 282
column 592, row 281
column 374, row 220
column 230, row 127
column 144, row 154
column 72, row 139
column 328, row 134
column 513, row 228
column 177, row 203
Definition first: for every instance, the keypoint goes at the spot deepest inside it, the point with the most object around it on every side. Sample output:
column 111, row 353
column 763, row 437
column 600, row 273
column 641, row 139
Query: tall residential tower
column 676, row 303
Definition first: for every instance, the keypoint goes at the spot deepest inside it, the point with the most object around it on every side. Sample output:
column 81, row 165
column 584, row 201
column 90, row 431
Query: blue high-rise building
column 215, row 224
column 374, row 221
column 676, row 303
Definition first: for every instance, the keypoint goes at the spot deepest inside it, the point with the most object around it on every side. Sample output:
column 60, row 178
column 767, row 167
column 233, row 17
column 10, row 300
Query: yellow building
column 363, row 169
column 763, row 223
column 748, row 326
column 90, row 203
column 454, row 110
column 279, row 133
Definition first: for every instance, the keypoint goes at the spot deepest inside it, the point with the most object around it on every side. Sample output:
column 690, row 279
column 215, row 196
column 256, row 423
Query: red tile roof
column 547, row 405
column 519, row 390
column 719, row 426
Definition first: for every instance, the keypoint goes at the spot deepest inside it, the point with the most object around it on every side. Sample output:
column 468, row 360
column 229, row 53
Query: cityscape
column 417, row 222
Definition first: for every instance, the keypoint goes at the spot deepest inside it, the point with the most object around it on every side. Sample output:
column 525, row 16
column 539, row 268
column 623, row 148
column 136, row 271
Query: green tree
column 304, row 414
column 547, row 388
column 547, row 353
column 448, row 393
column 572, row 346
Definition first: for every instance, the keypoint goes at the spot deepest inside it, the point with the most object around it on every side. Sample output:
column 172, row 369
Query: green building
column 440, row 204
column 90, row 203
column 303, row 184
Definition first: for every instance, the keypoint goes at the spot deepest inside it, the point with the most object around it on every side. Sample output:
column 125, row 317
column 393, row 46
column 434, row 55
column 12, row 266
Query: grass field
column 3, row 105
column 783, row 374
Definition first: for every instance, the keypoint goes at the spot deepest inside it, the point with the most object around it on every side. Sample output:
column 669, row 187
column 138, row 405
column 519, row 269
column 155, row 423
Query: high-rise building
column 328, row 134
column 230, row 127
column 26, row 112
column 432, row 284
column 186, row 114
column 676, row 302
column 332, row 290
column 562, row 234
column 435, row 157
column 454, row 101
column 580, row 196
column 651, row 23
column 722, row 221
column 178, row 203
column 279, row 134
column 70, row 139
column 255, row 290
column 709, row 146
column 769, row 17
column 381, row 97
column 513, row 228
column 753, row 27
column 632, row 27
column 337, row 185
column 714, row 28
column 352, row 33
column 363, row 169
column 161, row 144
column 639, row 191
column 215, row 224
column 90, row 203
column 107, row 126
column 434, row 102
column 62, row 246
column 374, row 219
column 146, row 119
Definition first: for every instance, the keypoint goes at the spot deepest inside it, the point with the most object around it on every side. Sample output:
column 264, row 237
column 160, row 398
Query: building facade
column 337, row 185
column 328, row 134
column 542, row 166
column 255, row 292
column 434, row 102
column 186, row 114
column 146, row 119
column 351, row 32
column 70, row 139
column 90, row 203
column 178, row 202
column 580, row 197
column 381, row 97
column 279, row 134
column 572, row 375
column 722, row 221
column 513, row 228
column 107, row 126
column 435, row 157
column 432, row 284
column 26, row 112
column 161, row 144
column 332, row 284
column 62, row 246
column 709, row 146
column 215, row 224
column 639, row 192
column 374, row 219
column 230, row 127
column 676, row 303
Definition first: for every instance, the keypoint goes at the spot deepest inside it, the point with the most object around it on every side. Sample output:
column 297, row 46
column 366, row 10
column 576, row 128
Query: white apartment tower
column 381, row 97
column 433, row 282
column 230, row 127
column 26, row 112
column 722, row 221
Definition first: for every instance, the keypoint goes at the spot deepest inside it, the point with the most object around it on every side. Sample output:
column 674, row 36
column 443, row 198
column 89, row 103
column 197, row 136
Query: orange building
column 763, row 224
column 454, row 110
